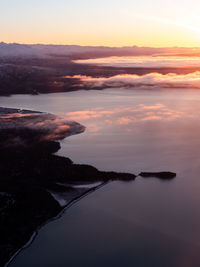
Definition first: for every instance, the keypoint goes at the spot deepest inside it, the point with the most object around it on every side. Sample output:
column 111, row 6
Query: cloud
column 29, row 127
column 99, row 120
column 145, row 61
column 88, row 114
column 124, row 120
column 171, row 80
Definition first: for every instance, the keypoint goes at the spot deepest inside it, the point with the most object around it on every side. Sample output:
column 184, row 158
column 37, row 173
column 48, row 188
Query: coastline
column 28, row 143
column 66, row 207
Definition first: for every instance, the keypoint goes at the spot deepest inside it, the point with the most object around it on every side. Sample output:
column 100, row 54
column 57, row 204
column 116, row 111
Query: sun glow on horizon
column 101, row 23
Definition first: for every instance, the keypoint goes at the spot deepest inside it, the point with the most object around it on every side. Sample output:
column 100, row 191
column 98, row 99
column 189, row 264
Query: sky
column 155, row 23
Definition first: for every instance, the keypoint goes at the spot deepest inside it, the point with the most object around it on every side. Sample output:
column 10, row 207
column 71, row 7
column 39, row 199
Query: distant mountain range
column 75, row 51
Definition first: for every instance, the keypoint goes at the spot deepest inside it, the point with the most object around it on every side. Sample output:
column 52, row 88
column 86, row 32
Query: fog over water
column 147, row 222
column 151, row 80
column 191, row 79
column 154, row 61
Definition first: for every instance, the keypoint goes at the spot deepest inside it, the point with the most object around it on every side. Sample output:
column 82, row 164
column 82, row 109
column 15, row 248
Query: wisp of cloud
column 170, row 80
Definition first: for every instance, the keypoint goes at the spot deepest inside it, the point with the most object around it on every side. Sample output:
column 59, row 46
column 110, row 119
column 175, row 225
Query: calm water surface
column 144, row 223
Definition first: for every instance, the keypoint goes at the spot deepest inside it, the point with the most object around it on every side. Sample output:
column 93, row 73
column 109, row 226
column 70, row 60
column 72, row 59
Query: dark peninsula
column 36, row 185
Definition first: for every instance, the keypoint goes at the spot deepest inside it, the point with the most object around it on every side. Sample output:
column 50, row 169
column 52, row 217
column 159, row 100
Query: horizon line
column 106, row 46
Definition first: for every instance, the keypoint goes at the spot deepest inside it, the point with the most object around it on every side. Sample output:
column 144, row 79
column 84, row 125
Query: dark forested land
column 31, row 175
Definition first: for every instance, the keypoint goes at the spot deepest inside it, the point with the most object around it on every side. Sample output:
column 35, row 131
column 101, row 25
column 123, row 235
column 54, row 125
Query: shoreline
column 29, row 141
column 66, row 207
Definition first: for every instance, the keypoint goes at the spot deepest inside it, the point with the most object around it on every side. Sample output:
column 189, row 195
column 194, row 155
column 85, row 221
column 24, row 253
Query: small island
column 160, row 175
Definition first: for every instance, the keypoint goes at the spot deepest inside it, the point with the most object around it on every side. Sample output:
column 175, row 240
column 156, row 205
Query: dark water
column 144, row 223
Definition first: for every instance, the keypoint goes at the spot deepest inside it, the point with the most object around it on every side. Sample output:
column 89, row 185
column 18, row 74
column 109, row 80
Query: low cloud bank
column 145, row 62
column 26, row 127
column 171, row 80
column 83, row 52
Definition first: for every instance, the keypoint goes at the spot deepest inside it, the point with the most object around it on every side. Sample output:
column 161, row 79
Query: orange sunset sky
column 109, row 23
